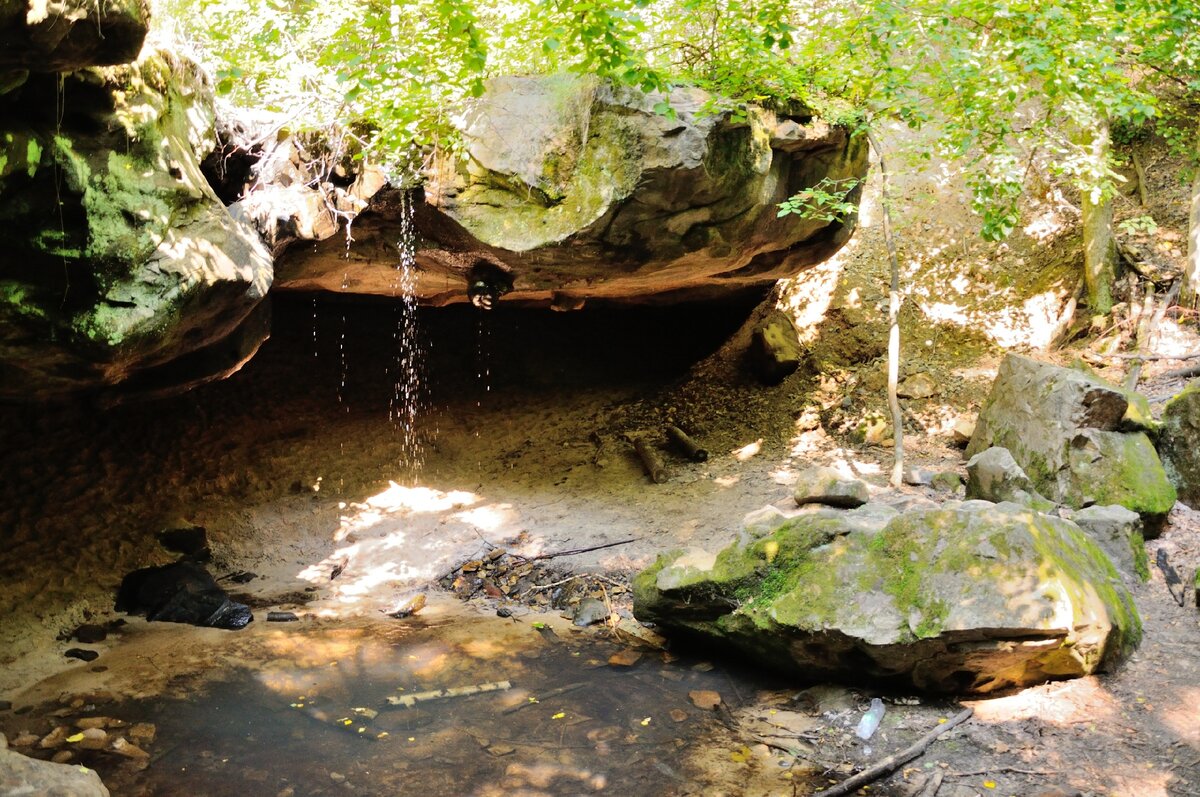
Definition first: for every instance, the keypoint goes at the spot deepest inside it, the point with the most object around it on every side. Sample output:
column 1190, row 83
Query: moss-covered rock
column 119, row 256
column 1179, row 443
column 973, row 597
column 1079, row 438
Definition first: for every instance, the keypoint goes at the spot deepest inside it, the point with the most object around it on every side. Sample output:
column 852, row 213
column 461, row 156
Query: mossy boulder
column 1179, row 443
column 119, row 258
column 973, row 597
column 580, row 190
column 1076, row 437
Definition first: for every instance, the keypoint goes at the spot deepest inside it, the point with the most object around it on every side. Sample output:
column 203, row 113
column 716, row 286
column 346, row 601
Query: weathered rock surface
column 141, row 265
column 1179, row 443
column 62, row 35
column 1075, row 436
column 827, row 486
column 577, row 190
column 30, row 777
column 774, row 348
column 1118, row 532
column 993, row 475
column 972, row 597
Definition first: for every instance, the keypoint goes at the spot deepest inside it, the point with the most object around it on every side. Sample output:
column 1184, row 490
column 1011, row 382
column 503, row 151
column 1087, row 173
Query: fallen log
column 690, row 447
column 651, row 461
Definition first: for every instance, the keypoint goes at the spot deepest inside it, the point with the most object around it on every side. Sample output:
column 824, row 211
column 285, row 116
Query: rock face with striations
column 1080, row 440
column 576, row 190
column 971, row 597
column 121, row 266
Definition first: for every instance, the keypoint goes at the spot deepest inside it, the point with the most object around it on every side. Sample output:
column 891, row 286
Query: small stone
column 56, row 738
column 82, row 654
column 282, row 617
column 705, row 698
column 947, row 481
column 963, row 431
column 90, row 633
column 24, row 739
column 94, row 739
column 504, row 611
column 918, row 386
column 143, row 733
column 625, row 658
column 62, row 756
column 918, row 477
column 589, row 612
column 337, row 777
column 499, row 750
column 83, row 723
column 826, row 486
column 122, row 747
column 678, row 714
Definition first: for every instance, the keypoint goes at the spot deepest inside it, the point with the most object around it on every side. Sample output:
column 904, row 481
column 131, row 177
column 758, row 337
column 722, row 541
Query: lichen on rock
column 121, row 256
column 971, row 597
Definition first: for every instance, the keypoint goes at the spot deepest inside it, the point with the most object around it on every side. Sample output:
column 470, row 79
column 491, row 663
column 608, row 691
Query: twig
column 892, row 762
column 1015, row 770
column 573, row 551
column 1143, row 195
column 1155, row 357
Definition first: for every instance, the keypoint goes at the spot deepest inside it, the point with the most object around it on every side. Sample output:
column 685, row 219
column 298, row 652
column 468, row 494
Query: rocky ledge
column 572, row 190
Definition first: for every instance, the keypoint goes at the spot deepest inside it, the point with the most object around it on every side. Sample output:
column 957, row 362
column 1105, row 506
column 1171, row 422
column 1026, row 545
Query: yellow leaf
column 559, row 715
column 989, row 784
column 646, row 721
column 75, row 738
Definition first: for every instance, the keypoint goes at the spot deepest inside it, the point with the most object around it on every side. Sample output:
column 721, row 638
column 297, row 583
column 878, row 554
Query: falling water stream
column 407, row 369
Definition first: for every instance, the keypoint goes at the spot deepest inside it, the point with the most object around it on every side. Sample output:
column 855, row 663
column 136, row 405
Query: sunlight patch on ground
column 1183, row 715
column 1059, row 703
column 807, row 297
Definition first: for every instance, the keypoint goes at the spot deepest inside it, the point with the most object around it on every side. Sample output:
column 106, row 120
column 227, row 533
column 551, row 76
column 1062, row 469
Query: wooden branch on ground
column 574, row 551
column 1156, row 357
column 1193, row 370
column 896, row 760
column 1146, row 331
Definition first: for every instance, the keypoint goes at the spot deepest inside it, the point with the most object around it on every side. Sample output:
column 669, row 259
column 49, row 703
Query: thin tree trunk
column 1191, row 273
column 1099, row 244
column 893, row 317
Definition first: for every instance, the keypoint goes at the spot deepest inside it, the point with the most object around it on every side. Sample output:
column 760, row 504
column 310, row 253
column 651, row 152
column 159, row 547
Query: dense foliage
column 1006, row 80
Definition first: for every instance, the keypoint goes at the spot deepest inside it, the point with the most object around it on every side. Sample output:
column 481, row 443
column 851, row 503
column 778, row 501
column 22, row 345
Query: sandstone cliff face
column 119, row 258
column 573, row 189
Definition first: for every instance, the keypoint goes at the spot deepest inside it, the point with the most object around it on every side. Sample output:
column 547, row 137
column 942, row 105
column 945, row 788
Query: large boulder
column 119, row 258
column 993, row 475
column 972, row 597
column 1081, row 440
column 31, row 777
column 63, row 35
column 575, row 189
column 1179, row 443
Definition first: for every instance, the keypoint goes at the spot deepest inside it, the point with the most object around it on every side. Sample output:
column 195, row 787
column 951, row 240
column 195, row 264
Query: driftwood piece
column 408, row 701
column 895, row 760
column 553, row 693
column 689, row 446
column 651, row 461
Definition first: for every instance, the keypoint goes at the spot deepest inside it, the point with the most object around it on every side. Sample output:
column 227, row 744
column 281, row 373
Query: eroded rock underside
column 971, row 597
column 576, row 190
column 121, row 266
